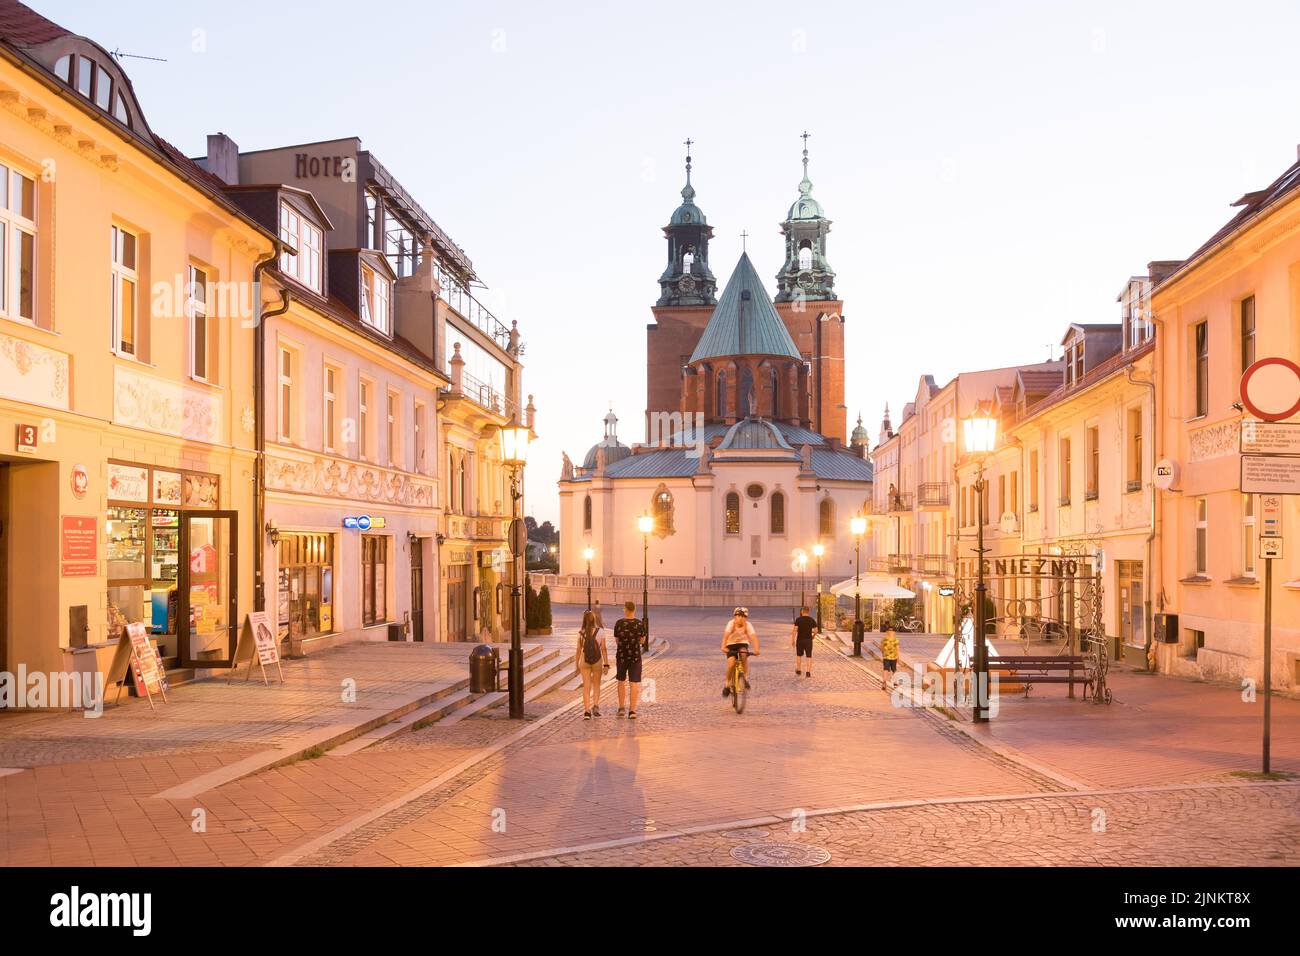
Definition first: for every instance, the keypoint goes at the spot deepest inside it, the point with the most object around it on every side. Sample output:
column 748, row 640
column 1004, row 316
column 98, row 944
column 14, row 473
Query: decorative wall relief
column 33, row 373
column 155, row 404
column 1213, row 441
column 335, row 478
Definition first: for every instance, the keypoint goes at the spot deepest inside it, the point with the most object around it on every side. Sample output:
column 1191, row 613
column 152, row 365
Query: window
column 733, row 513
column 662, row 510
column 1015, row 492
column 125, row 282
column 1202, row 534
column 777, row 506
column 287, row 372
column 417, row 435
column 374, row 579
column 805, row 256
column 1247, row 332
column 586, row 513
column 17, row 244
column 374, row 299
column 329, row 423
column 1094, row 463
column 1002, row 495
column 202, row 333
column 1202, row 370
column 363, row 420
column 103, row 88
column 1249, row 542
column 393, row 439
column 85, row 76
column 305, row 264
column 1133, row 473
column 1065, row 471
column 826, row 519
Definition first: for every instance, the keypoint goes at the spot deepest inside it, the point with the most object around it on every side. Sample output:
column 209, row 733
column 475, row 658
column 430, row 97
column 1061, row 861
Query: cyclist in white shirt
column 739, row 635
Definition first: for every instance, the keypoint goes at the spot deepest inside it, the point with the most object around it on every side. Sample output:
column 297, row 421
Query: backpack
column 590, row 649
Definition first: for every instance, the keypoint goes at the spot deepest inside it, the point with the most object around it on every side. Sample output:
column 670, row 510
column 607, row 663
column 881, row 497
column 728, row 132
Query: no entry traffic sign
column 1270, row 389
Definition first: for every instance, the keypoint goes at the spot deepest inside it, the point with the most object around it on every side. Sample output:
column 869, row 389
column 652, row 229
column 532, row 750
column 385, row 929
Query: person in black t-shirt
column 801, row 639
column 628, row 634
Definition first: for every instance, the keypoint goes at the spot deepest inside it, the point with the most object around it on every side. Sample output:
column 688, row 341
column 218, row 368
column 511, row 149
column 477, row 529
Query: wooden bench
column 1030, row 669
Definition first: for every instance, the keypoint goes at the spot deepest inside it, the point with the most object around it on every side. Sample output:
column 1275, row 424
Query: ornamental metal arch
column 1054, row 597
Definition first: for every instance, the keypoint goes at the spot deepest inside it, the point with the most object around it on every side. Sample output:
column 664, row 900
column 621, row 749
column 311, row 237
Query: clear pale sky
column 993, row 174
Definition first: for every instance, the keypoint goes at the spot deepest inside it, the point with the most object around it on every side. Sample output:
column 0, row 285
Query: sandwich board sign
column 137, row 655
column 257, row 641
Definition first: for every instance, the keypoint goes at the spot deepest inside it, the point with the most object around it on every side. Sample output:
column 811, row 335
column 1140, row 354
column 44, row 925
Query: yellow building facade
column 126, row 357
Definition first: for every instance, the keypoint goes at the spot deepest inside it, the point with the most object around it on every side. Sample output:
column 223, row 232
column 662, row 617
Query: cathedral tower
column 807, row 304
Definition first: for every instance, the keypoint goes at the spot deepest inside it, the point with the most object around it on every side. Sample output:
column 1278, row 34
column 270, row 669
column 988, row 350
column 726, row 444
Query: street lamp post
column 514, row 455
column 858, row 525
column 801, row 559
column 645, row 524
column 588, row 553
column 819, row 550
column 981, row 430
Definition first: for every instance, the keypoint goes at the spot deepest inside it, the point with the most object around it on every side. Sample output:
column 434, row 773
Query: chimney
column 222, row 160
column 1161, row 269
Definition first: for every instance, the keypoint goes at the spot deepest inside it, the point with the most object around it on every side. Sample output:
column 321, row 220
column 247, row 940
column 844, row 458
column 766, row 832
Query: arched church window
column 662, row 509
column 586, row 513
column 827, row 518
column 745, row 394
column 733, row 513
column 722, row 394
column 805, row 256
column 778, row 513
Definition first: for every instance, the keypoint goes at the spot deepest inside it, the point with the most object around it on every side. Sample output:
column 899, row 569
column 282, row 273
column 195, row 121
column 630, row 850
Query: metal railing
column 931, row 494
column 484, row 395
column 458, row 297
column 899, row 563
column 932, row 564
column 898, row 501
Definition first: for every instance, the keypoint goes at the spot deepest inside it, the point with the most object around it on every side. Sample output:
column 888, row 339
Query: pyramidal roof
column 745, row 321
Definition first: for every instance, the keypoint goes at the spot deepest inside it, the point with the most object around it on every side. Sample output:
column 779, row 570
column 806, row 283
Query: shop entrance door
column 209, row 600
column 417, row 590
column 457, row 601
column 1132, row 610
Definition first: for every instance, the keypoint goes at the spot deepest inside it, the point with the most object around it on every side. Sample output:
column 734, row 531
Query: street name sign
column 1270, row 475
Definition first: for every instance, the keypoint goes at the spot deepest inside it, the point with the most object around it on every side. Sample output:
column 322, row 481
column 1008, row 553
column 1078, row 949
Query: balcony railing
column 932, row 564
column 932, row 494
column 458, row 297
column 899, row 501
column 899, row 563
column 484, row 395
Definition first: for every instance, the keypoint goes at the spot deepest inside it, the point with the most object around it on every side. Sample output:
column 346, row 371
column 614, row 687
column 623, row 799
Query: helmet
column 743, row 611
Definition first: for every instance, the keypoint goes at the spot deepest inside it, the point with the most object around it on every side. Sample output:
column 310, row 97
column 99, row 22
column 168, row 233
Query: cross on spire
column 687, row 144
column 743, row 236
column 804, row 137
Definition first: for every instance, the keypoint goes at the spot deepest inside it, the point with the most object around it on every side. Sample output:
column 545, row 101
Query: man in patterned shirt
column 628, row 634
column 889, row 658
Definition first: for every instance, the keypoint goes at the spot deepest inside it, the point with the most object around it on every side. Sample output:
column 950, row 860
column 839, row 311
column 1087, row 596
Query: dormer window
column 374, row 299
column 305, row 264
column 94, row 82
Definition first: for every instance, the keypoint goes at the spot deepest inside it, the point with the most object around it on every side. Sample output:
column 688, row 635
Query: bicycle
column 912, row 625
column 739, row 679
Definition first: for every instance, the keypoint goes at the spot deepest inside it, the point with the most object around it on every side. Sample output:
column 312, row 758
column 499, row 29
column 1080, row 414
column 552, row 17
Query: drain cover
column 780, row 854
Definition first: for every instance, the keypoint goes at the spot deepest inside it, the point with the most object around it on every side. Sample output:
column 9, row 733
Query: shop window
column 374, row 579
column 306, row 567
column 17, row 244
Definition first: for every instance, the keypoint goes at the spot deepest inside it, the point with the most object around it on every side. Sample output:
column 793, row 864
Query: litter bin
column 484, row 665
column 858, row 628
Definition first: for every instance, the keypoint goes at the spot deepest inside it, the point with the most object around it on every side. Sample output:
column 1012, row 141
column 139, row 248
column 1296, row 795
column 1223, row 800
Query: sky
column 994, row 171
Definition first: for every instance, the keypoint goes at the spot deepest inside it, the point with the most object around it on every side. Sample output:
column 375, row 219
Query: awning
column 871, row 586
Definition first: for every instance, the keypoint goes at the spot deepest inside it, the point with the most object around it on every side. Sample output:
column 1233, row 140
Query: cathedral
column 744, row 459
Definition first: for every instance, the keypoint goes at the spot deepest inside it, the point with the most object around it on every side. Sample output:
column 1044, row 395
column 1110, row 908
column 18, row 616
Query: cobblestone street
column 827, row 764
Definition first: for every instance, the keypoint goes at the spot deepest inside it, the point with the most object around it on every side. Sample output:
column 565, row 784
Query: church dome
column 805, row 207
column 859, row 436
column 754, row 433
column 616, row 451
column 688, row 214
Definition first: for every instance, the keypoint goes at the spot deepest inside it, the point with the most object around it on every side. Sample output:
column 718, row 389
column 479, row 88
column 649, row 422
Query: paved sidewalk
column 1157, row 730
